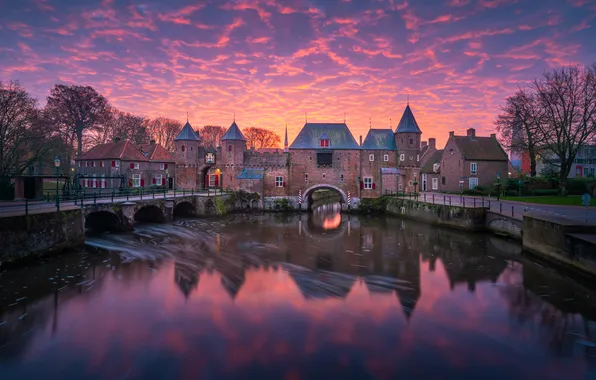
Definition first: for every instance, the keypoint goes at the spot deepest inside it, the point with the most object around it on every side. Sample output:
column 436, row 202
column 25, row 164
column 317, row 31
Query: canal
column 288, row 296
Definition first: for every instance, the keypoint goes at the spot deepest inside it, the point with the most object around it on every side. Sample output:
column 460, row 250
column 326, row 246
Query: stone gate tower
column 407, row 140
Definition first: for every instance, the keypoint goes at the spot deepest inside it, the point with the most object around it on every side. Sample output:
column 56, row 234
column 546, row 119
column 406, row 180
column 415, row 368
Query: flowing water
column 309, row 296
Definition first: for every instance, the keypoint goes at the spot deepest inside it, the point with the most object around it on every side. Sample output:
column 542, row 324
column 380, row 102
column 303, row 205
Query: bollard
column 444, row 200
column 164, row 193
column 153, row 191
column 424, row 197
column 500, row 208
column 141, row 193
column 450, row 200
column 192, row 191
column 112, row 195
column 57, row 203
column 433, row 199
column 183, row 192
column 127, row 195
column 474, row 202
column 512, row 211
column 82, row 199
column 464, row 201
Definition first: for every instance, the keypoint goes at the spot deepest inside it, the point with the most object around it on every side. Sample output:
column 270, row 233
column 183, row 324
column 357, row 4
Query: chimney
column 432, row 142
column 423, row 144
column 493, row 135
column 152, row 142
column 360, row 140
column 451, row 133
column 471, row 132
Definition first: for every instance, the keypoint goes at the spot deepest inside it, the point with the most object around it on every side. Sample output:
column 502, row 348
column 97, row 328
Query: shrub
column 373, row 205
column 283, row 204
column 578, row 186
column 472, row 192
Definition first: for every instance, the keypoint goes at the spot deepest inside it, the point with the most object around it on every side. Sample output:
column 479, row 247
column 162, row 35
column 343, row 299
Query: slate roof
column 434, row 158
column 121, row 150
column 187, row 133
column 233, row 133
column 251, row 174
column 156, row 152
column 339, row 136
column 379, row 139
column 408, row 123
column 480, row 148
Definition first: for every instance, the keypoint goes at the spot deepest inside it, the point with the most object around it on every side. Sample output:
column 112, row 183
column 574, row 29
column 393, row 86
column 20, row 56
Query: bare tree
column 24, row 136
column 518, row 123
column 123, row 126
column 211, row 135
column 257, row 138
column 74, row 109
column 566, row 97
column 164, row 130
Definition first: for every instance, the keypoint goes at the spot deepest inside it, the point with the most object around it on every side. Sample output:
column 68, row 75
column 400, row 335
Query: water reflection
column 248, row 297
column 326, row 216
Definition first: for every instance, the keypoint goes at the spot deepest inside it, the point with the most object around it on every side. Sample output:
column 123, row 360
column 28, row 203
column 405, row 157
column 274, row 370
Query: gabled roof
column 379, row 139
column 251, row 174
column 408, row 123
column 233, row 133
column 156, row 152
column 339, row 136
column 428, row 162
column 480, row 148
column 187, row 133
column 121, row 150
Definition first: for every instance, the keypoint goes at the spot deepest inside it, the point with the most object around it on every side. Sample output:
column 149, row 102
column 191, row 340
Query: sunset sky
column 271, row 61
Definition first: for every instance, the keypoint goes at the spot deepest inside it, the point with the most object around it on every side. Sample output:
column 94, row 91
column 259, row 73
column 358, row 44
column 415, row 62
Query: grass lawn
column 570, row 200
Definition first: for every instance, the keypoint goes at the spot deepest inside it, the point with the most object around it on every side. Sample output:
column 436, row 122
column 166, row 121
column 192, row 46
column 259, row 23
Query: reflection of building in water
column 187, row 278
column 233, row 276
column 327, row 216
column 321, row 284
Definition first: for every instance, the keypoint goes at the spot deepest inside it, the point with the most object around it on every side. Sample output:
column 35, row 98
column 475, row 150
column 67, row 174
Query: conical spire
column 286, row 140
column 408, row 124
column 233, row 133
column 187, row 133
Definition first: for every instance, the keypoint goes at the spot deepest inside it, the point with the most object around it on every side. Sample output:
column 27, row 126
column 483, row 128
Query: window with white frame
column 103, row 181
column 435, row 184
column 94, row 183
column 116, row 164
column 473, row 182
column 385, row 157
column 158, row 179
column 371, row 157
column 136, row 180
column 368, row 183
column 402, row 157
column 135, row 165
column 417, row 157
column 279, row 181
column 473, row 168
column 162, row 166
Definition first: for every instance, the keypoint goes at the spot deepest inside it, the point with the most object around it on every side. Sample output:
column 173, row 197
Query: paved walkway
column 512, row 208
column 39, row 207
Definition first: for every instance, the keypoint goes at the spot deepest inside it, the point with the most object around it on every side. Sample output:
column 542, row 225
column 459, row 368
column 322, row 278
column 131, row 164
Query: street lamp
column 57, row 166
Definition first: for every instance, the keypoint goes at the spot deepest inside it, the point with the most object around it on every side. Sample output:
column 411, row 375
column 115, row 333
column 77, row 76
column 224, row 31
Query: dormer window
column 324, row 141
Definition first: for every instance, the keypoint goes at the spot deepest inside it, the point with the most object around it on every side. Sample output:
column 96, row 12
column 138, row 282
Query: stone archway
column 150, row 214
column 103, row 220
column 307, row 195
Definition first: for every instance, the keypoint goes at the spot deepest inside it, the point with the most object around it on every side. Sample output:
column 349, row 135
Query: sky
column 273, row 63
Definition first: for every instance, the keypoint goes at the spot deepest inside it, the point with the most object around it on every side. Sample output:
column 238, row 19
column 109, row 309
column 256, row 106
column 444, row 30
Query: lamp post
column 57, row 166
column 415, row 183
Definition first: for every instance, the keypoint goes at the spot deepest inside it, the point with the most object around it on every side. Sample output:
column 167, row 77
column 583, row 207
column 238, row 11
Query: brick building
column 121, row 164
column 323, row 155
column 470, row 161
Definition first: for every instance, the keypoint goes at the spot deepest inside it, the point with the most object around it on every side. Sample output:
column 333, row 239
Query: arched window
column 183, row 148
column 229, row 148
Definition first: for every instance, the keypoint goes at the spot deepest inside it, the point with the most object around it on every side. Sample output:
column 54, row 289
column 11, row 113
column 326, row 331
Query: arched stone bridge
column 121, row 216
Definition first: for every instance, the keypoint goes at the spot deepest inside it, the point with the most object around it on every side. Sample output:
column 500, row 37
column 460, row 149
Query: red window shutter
column 130, row 183
column 92, row 164
column 153, row 180
column 101, row 164
column 283, row 184
column 361, row 185
column 216, row 180
column 374, row 186
column 113, row 164
column 165, row 166
column 142, row 182
column 163, row 181
column 132, row 165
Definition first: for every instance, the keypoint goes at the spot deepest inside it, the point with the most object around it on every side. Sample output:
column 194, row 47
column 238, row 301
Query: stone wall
column 39, row 234
column 552, row 238
column 467, row 218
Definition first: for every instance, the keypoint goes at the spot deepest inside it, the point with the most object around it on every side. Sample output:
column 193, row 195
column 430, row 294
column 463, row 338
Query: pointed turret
column 408, row 123
column 286, row 140
column 233, row 133
column 187, row 134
